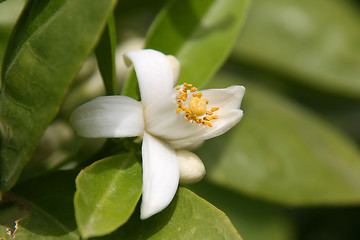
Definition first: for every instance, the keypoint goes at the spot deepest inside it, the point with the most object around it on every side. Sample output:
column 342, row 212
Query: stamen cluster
column 196, row 107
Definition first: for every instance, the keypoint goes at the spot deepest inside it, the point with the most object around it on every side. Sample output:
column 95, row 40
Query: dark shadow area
column 49, row 199
column 326, row 223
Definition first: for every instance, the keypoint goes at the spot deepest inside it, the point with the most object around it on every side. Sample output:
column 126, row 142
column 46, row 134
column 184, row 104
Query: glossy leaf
column 200, row 34
column 105, row 54
column 283, row 153
column 9, row 11
column 187, row 217
column 248, row 215
column 314, row 42
column 48, row 46
column 106, row 194
column 51, row 211
column 4, row 233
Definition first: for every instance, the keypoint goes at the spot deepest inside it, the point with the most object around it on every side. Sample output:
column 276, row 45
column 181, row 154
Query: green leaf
column 9, row 11
column 200, row 34
column 49, row 200
column 187, row 217
column 4, row 233
column 10, row 212
column 105, row 55
column 48, row 46
column 284, row 153
column 106, row 194
column 248, row 215
column 313, row 42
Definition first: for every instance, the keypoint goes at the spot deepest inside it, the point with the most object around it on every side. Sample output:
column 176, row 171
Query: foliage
column 294, row 155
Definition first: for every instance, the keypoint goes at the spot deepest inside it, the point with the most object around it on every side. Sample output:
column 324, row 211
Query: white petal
column 163, row 121
column 154, row 72
column 227, row 119
column 109, row 116
column 225, row 98
column 160, row 175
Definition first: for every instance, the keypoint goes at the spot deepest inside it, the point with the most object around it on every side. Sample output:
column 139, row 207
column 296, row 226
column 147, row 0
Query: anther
column 184, row 94
column 197, row 119
column 177, row 87
column 206, row 101
column 186, row 109
column 199, row 95
column 208, row 124
column 187, row 85
column 215, row 109
column 209, row 113
column 194, row 89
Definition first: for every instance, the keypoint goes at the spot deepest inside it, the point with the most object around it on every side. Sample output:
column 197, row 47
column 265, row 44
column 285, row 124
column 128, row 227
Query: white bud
column 175, row 66
column 192, row 169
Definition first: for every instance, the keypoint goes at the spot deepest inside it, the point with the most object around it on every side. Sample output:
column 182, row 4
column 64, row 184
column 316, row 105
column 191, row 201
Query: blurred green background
column 291, row 168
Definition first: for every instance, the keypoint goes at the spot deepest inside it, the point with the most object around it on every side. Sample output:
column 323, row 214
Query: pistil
column 196, row 106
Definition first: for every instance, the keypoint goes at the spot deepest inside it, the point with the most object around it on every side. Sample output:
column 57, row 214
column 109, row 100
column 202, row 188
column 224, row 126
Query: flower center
column 196, row 106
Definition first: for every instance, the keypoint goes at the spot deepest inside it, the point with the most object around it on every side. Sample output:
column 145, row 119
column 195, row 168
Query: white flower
column 168, row 118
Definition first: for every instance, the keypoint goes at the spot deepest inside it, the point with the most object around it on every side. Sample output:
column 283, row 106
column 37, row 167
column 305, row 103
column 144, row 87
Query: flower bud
column 192, row 170
column 175, row 65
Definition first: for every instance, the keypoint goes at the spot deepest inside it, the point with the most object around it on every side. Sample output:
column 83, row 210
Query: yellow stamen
column 194, row 89
column 197, row 106
column 184, row 94
column 206, row 118
column 214, row 109
column 186, row 109
column 208, row 124
column 199, row 95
